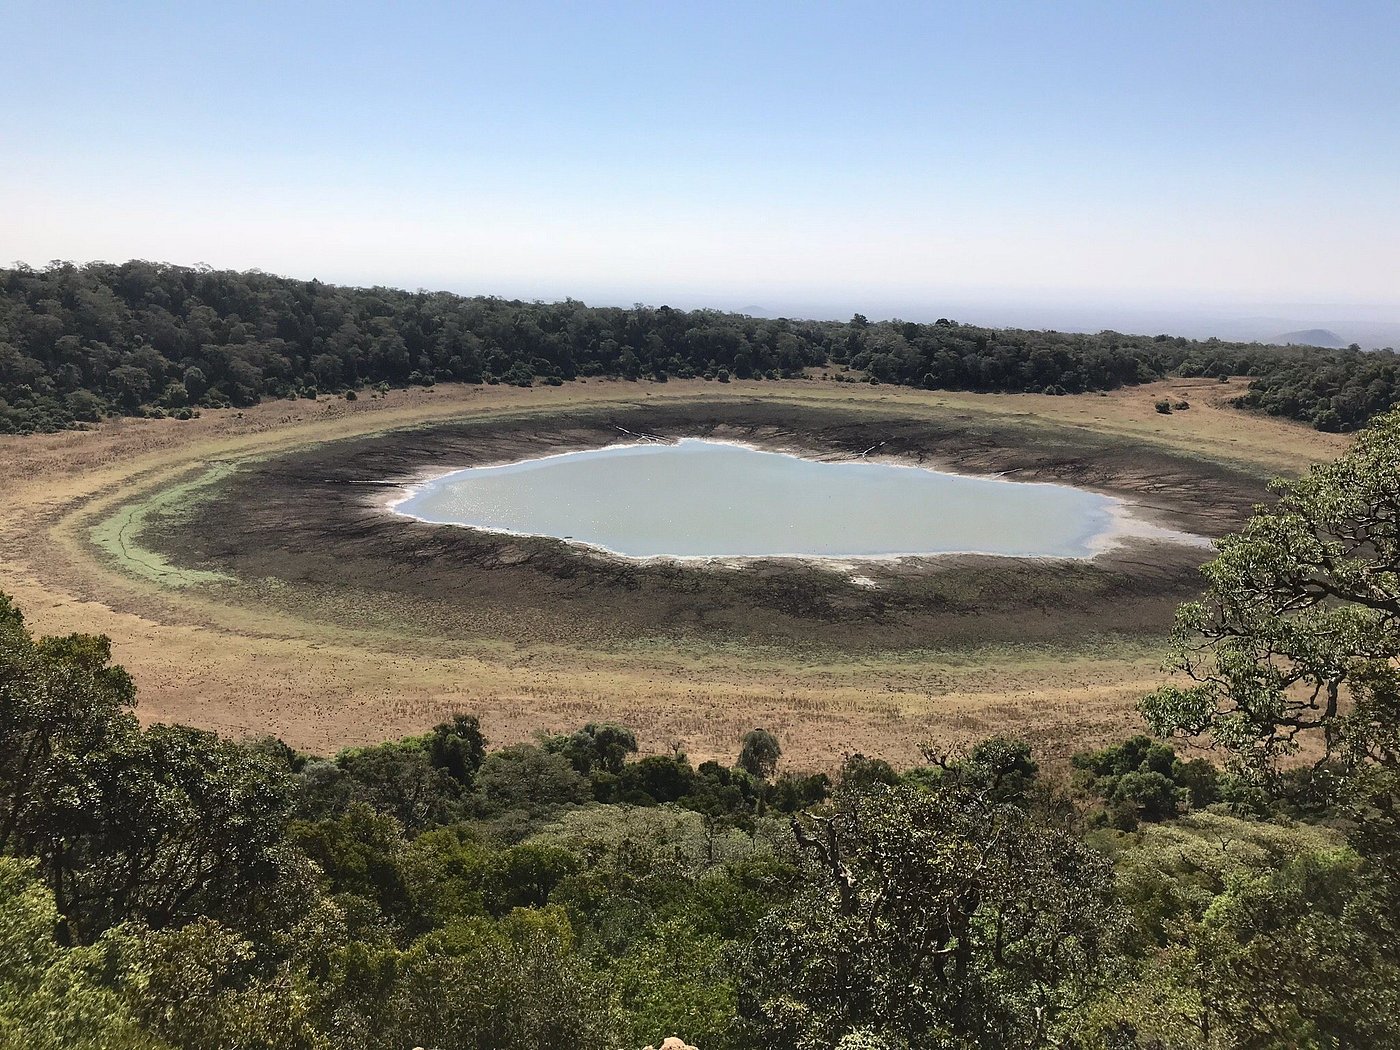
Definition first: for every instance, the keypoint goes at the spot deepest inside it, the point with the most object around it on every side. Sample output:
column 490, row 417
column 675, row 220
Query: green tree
column 131, row 385
column 444, row 871
column 929, row 918
column 1000, row 767
column 524, row 876
column 1287, row 956
column 458, row 747
column 52, row 997
column 669, row 984
column 859, row 772
column 159, row 825
column 361, row 857
column 1248, row 934
column 514, row 985
column 760, row 753
column 196, row 385
column 401, row 778
column 85, row 406
column 1297, row 640
column 1143, row 778
column 61, row 701
column 1294, row 656
column 202, row 987
column 657, row 778
column 599, row 746
column 164, row 825
column 528, row 778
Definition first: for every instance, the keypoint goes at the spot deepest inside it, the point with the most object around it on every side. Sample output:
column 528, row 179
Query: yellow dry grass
column 249, row 671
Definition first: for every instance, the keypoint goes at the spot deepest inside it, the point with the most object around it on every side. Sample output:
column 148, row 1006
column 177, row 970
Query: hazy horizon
column 1079, row 165
column 1372, row 326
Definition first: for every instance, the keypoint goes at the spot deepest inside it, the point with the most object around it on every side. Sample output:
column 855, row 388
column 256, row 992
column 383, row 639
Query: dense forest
column 162, row 888
column 80, row 342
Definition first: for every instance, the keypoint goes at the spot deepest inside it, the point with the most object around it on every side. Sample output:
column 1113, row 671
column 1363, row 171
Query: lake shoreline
column 417, row 621
column 309, row 530
column 1126, row 524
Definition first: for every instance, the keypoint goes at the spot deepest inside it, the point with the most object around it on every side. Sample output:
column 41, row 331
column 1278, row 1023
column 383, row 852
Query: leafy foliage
column 1297, row 641
column 53, row 998
column 1143, row 779
column 1248, row 934
column 597, row 746
column 158, row 825
column 759, row 754
column 999, row 769
column 929, row 918
column 1295, row 657
column 458, row 748
column 77, row 342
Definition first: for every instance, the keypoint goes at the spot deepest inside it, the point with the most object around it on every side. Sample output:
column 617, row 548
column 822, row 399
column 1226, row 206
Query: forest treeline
column 163, row 888
column 80, row 342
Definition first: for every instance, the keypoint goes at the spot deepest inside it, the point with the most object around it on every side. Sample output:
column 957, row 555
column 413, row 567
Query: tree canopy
column 759, row 754
column 1295, row 648
column 77, row 342
column 929, row 918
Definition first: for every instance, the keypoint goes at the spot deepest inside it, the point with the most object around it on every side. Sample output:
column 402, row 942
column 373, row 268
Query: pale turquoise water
column 710, row 499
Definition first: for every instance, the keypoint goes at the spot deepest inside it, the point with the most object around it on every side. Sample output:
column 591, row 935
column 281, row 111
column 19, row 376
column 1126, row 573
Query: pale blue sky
column 1051, row 152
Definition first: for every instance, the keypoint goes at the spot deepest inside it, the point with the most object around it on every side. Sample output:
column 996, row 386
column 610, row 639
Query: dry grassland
column 244, row 669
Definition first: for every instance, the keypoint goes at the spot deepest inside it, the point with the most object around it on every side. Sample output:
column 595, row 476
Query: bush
column 1143, row 779
column 524, row 777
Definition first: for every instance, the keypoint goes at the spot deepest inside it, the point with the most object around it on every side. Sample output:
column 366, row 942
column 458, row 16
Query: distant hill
column 1311, row 337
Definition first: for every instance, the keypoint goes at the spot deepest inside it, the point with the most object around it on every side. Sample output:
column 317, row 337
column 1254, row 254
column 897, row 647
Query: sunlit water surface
column 708, row 499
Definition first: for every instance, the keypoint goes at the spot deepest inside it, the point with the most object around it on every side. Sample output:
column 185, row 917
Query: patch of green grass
column 119, row 534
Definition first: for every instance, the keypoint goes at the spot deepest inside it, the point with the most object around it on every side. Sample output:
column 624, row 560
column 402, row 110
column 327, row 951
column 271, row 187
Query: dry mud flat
column 334, row 623
column 309, row 531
